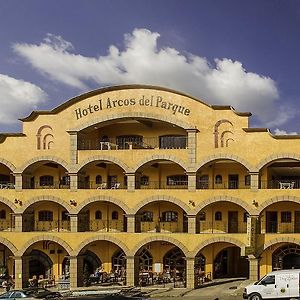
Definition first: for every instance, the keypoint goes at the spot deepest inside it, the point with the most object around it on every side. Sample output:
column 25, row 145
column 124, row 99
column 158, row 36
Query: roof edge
column 33, row 115
column 3, row 136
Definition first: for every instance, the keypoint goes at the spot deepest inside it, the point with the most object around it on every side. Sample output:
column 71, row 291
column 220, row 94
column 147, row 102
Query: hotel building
column 139, row 177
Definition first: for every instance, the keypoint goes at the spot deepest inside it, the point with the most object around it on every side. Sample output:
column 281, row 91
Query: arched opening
column 132, row 133
column 286, row 257
column 281, row 174
column 229, row 263
column 161, row 174
column 223, row 174
column 6, row 263
column 222, row 217
column 45, row 216
column 101, row 174
column 280, row 217
column 7, row 180
column 160, row 263
column 201, row 275
column 101, row 262
column 45, row 174
column 161, row 216
column 7, row 222
column 44, row 260
column 102, row 216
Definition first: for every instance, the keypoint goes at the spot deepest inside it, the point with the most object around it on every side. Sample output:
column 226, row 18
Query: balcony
column 203, row 184
column 134, row 142
column 55, row 225
column 161, row 226
column 282, row 184
column 177, row 184
column 102, row 226
column 6, row 185
column 28, row 184
column 221, row 227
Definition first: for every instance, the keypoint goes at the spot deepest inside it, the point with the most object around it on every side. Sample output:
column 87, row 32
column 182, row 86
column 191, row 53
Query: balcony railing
column 101, row 186
column 7, row 185
column 280, row 184
column 160, row 226
column 134, row 143
column 221, row 227
column 162, row 185
column 56, row 225
column 52, row 185
column 6, row 225
column 278, row 227
column 206, row 184
column 101, row 225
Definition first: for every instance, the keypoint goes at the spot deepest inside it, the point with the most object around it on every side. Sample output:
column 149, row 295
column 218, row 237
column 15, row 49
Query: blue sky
column 241, row 53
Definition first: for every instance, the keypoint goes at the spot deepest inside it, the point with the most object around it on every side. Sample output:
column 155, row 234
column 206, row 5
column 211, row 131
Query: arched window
column 169, row 216
column 45, row 215
column 177, row 180
column 2, row 214
column 46, row 180
column 202, row 216
column 98, row 215
column 98, row 179
column 144, row 180
column 247, row 180
column 218, row 216
column 147, row 216
column 115, row 215
column 218, row 179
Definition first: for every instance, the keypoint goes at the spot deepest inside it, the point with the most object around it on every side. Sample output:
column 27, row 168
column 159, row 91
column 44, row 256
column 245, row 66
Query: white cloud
column 17, row 97
column 141, row 61
column 283, row 132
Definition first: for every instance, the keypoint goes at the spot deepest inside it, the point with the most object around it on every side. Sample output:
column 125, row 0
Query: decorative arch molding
column 43, row 158
column 109, row 117
column 234, row 200
column 236, row 158
column 9, row 203
column 9, row 245
column 219, row 239
column 154, row 157
column 277, row 240
column 166, row 198
column 277, row 199
column 106, row 158
column 102, row 237
column 7, row 164
column 103, row 198
column 45, row 198
column 45, row 237
column 274, row 157
column 163, row 238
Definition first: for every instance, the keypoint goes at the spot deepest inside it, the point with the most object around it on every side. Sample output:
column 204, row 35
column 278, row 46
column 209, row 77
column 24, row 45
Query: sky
column 225, row 52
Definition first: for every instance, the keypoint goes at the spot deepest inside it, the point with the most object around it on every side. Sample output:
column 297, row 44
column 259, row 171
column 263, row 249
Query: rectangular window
column 286, row 217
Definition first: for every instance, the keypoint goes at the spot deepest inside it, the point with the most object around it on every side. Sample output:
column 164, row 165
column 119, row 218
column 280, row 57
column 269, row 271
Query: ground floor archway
column 286, row 257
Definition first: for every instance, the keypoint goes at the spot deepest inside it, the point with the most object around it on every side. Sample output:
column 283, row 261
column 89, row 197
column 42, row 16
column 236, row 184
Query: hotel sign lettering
column 152, row 101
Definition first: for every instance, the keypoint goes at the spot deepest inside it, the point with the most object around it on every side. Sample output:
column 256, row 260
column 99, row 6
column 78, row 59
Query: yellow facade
column 145, row 179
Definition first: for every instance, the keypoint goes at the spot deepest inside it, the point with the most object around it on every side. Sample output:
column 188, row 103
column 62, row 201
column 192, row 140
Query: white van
column 282, row 284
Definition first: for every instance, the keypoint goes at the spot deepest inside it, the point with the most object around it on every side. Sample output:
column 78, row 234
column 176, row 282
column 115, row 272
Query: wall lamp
column 73, row 202
column 17, row 201
column 254, row 202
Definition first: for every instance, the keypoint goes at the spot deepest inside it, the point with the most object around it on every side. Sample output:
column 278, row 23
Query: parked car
column 31, row 294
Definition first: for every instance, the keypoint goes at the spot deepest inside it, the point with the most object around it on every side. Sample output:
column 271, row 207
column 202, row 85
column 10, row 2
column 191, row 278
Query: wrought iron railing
column 101, row 225
column 180, row 184
column 279, row 227
column 221, row 227
column 27, row 184
column 280, row 184
column 55, row 225
column 233, row 184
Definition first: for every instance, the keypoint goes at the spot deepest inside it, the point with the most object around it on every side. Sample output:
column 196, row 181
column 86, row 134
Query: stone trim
column 237, row 201
column 45, row 198
column 102, row 237
column 274, row 157
column 110, row 199
column 162, row 238
column 154, row 157
column 45, row 237
column 233, row 157
column 9, row 245
column 103, row 158
column 7, row 164
column 280, row 239
column 219, row 239
column 9, row 203
column 277, row 199
column 132, row 114
column 166, row 198
column 43, row 158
